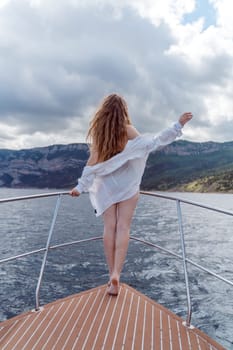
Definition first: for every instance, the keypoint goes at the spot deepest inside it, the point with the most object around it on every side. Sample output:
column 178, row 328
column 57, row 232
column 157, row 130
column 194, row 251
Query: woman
column 113, row 174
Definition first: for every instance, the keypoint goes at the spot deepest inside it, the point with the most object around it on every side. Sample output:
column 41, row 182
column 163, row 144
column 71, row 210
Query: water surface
column 24, row 227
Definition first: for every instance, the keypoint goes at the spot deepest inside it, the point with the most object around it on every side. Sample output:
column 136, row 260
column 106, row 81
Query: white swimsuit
column 119, row 177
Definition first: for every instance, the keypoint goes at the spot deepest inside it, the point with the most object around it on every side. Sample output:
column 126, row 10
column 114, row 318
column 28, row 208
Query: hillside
column 56, row 166
column 183, row 165
column 191, row 166
column 222, row 182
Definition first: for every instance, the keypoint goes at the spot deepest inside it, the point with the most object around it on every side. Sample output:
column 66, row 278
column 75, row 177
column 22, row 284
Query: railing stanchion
column 189, row 313
column 46, row 252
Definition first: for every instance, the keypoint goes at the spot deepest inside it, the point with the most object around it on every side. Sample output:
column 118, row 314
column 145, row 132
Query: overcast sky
column 59, row 58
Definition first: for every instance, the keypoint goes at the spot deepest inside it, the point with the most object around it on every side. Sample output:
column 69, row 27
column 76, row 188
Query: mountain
column 182, row 165
column 56, row 166
column 191, row 166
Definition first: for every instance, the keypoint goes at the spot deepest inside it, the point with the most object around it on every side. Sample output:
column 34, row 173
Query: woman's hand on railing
column 74, row 192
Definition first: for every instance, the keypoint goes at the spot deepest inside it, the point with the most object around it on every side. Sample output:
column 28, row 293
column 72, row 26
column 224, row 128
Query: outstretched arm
column 170, row 134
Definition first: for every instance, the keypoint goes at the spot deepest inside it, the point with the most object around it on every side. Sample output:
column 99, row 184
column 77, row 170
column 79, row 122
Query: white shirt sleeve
column 165, row 137
column 85, row 181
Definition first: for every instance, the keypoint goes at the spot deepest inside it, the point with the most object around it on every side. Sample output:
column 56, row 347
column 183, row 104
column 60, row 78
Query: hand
column 74, row 192
column 184, row 118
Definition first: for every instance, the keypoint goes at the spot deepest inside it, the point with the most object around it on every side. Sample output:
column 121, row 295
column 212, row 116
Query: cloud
column 59, row 58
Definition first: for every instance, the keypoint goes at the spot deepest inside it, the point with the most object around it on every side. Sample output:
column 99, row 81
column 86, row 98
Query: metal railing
column 183, row 257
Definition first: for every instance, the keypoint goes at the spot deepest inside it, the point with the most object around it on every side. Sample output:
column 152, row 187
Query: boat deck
column 95, row 320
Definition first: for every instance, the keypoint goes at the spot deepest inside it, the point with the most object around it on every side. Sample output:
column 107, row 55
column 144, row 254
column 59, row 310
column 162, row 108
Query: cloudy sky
column 58, row 58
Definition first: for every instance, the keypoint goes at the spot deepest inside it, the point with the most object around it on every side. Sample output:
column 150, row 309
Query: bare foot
column 113, row 287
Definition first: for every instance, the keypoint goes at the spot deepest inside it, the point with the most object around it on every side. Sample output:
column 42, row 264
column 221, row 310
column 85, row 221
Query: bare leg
column 125, row 210
column 109, row 236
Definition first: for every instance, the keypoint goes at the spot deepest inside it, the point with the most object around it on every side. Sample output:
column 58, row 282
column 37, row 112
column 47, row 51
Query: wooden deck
column 95, row 320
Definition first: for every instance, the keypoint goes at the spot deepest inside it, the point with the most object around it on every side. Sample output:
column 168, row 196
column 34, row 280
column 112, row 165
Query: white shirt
column 119, row 177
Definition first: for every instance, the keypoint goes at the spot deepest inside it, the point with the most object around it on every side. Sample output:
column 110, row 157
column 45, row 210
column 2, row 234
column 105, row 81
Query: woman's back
column 131, row 134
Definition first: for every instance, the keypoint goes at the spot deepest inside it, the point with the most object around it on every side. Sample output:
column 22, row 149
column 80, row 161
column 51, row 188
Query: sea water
column 24, row 226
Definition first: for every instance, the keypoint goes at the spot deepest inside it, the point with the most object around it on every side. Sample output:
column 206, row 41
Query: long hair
column 107, row 131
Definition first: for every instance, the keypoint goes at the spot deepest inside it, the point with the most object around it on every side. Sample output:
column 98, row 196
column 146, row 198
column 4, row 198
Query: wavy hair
column 107, row 132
